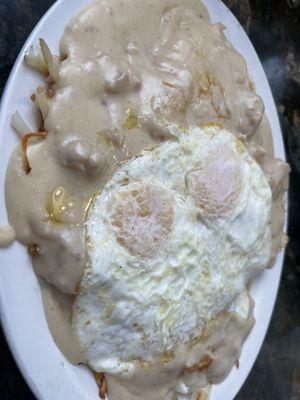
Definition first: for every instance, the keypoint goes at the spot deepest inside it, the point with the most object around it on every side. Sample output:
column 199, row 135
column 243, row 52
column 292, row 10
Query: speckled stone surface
column 274, row 28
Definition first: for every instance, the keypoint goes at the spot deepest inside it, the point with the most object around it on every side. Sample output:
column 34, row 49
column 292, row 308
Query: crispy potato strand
column 24, row 144
column 202, row 396
column 205, row 362
column 102, row 384
column 50, row 93
column 34, row 249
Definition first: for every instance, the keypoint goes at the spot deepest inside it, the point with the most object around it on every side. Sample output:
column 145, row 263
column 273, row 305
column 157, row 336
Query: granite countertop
column 274, row 29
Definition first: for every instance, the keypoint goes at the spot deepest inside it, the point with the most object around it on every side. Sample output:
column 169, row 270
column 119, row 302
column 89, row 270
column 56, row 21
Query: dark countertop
column 274, row 29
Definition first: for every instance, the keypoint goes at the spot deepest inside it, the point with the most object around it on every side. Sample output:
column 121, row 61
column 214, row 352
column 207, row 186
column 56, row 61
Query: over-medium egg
column 175, row 235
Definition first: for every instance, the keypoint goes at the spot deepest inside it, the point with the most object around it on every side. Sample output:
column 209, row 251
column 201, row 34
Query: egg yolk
column 143, row 216
column 216, row 184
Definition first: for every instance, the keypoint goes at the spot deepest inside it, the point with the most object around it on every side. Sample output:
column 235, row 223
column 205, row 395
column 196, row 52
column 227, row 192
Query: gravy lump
column 7, row 235
column 128, row 70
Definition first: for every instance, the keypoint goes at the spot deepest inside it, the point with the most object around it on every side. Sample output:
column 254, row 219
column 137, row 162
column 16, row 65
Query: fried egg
column 173, row 238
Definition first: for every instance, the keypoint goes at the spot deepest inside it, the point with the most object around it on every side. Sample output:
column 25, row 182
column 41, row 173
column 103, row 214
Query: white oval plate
column 49, row 375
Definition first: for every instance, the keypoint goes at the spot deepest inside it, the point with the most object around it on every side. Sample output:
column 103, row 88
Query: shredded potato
column 50, row 60
column 24, row 144
column 33, row 250
column 102, row 384
column 40, row 58
column 202, row 396
column 42, row 101
column 19, row 125
column 203, row 363
column 34, row 59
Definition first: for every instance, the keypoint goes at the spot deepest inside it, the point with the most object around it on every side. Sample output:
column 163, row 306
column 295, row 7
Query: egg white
column 133, row 307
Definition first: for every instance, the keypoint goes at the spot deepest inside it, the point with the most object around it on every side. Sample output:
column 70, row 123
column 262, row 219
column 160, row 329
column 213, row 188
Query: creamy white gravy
column 129, row 68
